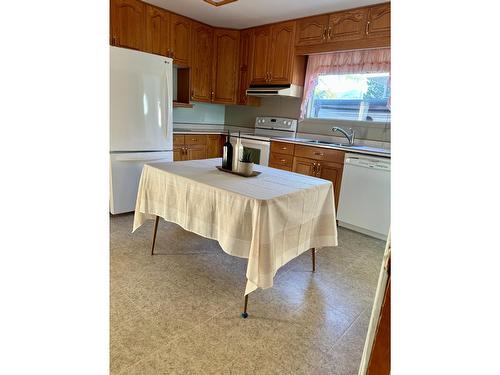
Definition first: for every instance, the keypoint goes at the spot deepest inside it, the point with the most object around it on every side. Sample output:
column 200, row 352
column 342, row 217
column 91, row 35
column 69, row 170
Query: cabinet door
column 260, row 47
column 214, row 148
column 348, row 25
column 304, row 166
column 157, row 31
column 195, row 152
column 311, row 30
column 128, row 24
column 180, row 32
column 245, row 55
column 332, row 172
column 225, row 66
column 379, row 21
column 202, row 37
column 281, row 53
column 178, row 153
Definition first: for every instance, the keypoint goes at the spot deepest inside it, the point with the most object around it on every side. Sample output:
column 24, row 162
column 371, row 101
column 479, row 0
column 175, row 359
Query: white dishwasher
column 365, row 195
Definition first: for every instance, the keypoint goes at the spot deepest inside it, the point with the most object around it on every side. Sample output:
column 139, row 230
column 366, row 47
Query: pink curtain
column 345, row 62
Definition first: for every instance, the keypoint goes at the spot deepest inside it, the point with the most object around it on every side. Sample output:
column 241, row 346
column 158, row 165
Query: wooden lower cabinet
column 323, row 169
column 195, row 152
column 214, row 146
column 197, row 146
column 332, row 172
column 190, row 152
column 281, row 161
column 304, row 166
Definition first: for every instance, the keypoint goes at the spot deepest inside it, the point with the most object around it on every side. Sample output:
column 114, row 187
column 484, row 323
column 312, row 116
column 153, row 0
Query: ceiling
column 248, row 13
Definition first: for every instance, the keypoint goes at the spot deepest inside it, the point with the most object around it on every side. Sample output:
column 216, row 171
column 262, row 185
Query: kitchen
column 127, row 248
column 228, row 210
column 305, row 96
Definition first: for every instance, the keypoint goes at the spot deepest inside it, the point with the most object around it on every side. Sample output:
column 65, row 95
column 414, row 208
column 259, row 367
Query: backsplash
column 201, row 113
column 290, row 107
column 244, row 116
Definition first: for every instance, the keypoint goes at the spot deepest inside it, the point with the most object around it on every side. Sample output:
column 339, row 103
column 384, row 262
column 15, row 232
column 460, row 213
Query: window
column 357, row 97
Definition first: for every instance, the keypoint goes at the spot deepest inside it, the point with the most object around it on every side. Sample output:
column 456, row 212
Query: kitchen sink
column 318, row 142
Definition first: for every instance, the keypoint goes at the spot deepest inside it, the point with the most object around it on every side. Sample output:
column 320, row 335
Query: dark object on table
column 227, row 153
column 254, row 173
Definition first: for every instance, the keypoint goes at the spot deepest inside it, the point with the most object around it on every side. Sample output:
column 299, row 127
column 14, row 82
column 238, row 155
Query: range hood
column 275, row 90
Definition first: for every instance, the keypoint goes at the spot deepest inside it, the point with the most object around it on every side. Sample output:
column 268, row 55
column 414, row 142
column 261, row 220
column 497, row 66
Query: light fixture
column 219, row 2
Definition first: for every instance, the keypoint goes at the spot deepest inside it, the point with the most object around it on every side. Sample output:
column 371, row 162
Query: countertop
column 356, row 149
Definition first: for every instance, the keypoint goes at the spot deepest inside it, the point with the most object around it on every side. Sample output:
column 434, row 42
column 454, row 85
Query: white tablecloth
column 269, row 219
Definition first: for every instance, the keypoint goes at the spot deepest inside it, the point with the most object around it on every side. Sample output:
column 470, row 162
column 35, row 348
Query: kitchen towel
column 269, row 219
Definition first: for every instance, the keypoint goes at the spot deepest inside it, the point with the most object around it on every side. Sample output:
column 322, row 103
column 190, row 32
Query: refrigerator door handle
column 138, row 158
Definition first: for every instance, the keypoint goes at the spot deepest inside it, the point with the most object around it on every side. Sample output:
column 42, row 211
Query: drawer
column 279, row 166
column 282, row 160
column 195, row 139
column 178, row 139
column 320, row 153
column 282, row 148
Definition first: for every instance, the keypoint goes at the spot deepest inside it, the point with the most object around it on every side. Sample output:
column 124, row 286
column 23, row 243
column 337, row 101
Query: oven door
column 258, row 149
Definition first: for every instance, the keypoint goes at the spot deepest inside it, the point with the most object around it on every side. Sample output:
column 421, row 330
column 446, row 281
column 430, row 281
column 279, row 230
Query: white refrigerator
column 140, row 120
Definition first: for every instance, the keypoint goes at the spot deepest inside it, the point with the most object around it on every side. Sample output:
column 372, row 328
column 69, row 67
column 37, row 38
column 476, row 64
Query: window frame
column 309, row 108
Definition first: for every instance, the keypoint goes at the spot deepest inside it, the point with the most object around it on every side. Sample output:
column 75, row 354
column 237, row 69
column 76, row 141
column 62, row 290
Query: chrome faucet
column 350, row 136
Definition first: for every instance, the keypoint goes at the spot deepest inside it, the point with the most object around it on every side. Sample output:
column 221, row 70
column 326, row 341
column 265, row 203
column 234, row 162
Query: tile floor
column 178, row 312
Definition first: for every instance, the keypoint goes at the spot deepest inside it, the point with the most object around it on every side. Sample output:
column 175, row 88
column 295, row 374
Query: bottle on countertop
column 227, row 153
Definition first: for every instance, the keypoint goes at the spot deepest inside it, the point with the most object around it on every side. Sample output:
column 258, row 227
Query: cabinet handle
column 314, row 168
column 323, row 35
column 367, row 26
column 194, row 139
column 318, row 169
column 318, row 153
column 329, row 32
column 283, row 148
column 283, row 161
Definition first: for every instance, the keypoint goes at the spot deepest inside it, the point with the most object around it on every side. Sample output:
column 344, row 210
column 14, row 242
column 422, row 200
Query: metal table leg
column 244, row 314
column 313, row 253
column 154, row 235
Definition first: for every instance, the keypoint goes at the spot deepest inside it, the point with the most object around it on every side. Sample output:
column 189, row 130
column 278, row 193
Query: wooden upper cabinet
column 360, row 28
column 157, row 31
column 243, row 79
column 281, row 53
column 348, row 25
column 225, row 66
column 202, row 39
column 379, row 21
column 128, row 24
column 261, row 49
column 311, row 30
column 180, row 38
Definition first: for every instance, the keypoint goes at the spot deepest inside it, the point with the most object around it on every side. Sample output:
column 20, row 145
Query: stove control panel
column 276, row 123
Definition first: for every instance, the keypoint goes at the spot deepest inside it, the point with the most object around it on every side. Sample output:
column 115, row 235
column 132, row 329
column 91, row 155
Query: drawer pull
column 283, row 148
column 283, row 160
column 193, row 139
column 319, row 153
